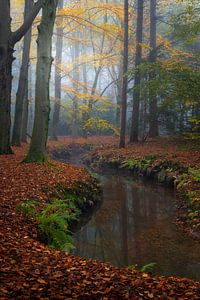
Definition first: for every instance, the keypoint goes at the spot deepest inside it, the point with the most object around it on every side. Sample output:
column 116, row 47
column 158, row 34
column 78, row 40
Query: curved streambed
column 134, row 225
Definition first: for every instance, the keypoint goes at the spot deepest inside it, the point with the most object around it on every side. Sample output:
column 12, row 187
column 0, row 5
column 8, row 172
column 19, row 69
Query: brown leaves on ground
column 30, row 270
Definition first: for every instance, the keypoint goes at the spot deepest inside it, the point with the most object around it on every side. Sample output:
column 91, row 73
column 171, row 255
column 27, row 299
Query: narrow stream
column 134, row 225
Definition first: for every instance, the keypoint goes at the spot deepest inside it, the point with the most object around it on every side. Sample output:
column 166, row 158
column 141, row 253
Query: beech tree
column 153, row 111
column 20, row 108
column 125, row 81
column 37, row 150
column 137, row 79
column 8, row 39
column 58, row 78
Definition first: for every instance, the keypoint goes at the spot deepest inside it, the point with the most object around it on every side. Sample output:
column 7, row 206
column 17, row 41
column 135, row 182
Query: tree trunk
column 153, row 111
column 6, row 59
column 58, row 61
column 25, row 115
column 75, row 59
column 119, row 92
column 23, row 82
column 124, row 83
column 138, row 58
column 37, row 150
column 7, row 42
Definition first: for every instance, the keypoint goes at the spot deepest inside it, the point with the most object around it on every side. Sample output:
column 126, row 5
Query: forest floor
column 31, row 270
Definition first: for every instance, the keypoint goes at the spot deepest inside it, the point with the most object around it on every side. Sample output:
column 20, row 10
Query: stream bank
column 135, row 222
column 168, row 169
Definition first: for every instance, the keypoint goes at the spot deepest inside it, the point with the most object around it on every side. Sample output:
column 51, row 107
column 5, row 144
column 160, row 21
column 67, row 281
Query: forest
column 99, row 149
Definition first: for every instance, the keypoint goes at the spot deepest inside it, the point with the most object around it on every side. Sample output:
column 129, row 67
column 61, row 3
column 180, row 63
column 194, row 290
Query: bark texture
column 7, row 42
column 153, row 111
column 37, row 150
column 6, row 59
column 23, row 84
column 58, row 61
column 25, row 115
column 138, row 58
column 124, row 83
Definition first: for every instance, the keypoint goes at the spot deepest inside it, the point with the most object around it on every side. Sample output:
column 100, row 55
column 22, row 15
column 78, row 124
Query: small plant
column 53, row 222
column 171, row 166
column 28, row 208
column 148, row 267
column 191, row 196
column 133, row 267
column 130, row 164
column 195, row 173
column 54, row 229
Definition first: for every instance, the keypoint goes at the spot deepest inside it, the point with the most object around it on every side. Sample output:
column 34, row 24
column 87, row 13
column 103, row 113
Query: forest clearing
column 99, row 149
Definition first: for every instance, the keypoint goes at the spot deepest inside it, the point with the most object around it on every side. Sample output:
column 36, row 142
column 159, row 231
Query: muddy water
column 134, row 225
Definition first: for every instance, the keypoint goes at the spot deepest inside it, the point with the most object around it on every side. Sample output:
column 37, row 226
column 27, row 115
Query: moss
column 36, row 156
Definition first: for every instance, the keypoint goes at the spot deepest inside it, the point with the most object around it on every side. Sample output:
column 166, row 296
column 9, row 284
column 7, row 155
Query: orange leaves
column 30, row 270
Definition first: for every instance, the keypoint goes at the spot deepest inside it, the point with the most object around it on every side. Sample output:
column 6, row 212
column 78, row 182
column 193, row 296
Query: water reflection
column 135, row 225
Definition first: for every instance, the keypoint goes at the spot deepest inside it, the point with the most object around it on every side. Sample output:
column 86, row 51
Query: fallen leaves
column 30, row 270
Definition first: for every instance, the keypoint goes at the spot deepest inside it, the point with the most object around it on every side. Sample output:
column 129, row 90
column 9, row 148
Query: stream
column 135, row 226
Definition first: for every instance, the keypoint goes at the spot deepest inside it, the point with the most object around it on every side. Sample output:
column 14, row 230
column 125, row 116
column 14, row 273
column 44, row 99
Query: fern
column 28, row 208
column 148, row 267
column 53, row 222
column 130, row 163
column 138, row 163
column 195, row 173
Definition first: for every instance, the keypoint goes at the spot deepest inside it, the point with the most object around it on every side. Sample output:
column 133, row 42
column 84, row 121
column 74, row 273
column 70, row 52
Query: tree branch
column 21, row 31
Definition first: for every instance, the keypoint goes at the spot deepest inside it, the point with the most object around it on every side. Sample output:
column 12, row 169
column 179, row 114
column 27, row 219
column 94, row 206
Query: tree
column 37, row 150
column 138, row 59
column 153, row 111
column 58, row 78
column 7, row 41
column 21, row 106
column 124, row 82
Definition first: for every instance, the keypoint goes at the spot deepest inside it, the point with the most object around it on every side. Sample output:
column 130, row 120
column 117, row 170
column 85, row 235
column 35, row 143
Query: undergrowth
column 54, row 220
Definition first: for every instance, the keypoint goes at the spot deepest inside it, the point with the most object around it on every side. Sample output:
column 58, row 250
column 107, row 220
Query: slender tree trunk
column 58, row 61
column 25, row 115
column 75, row 55
column 6, row 59
column 23, row 82
column 85, row 91
column 138, row 58
column 37, row 150
column 125, row 82
column 153, row 111
column 94, row 87
column 119, row 92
